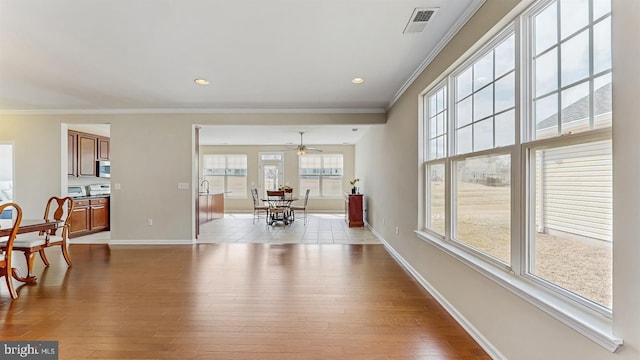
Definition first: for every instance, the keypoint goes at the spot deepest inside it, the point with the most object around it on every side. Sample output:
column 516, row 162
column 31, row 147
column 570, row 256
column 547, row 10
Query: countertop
column 88, row 197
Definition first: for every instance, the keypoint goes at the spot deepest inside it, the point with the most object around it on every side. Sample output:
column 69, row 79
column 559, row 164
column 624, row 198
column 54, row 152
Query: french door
column 271, row 171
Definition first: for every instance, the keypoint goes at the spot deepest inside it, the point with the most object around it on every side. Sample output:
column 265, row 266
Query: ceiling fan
column 302, row 149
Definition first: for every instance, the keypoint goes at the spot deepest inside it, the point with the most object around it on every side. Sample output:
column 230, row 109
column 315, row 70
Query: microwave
column 104, row 169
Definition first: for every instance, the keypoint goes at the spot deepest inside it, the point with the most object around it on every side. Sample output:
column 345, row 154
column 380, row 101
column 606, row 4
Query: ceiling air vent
column 418, row 20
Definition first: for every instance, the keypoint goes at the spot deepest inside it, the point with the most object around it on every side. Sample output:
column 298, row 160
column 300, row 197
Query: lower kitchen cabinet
column 89, row 216
column 211, row 207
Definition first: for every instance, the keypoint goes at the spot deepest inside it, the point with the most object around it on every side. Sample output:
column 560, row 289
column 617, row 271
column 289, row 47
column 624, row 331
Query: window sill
column 589, row 323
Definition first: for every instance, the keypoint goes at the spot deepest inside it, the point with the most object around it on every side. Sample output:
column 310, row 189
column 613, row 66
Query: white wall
column 150, row 155
column 516, row 329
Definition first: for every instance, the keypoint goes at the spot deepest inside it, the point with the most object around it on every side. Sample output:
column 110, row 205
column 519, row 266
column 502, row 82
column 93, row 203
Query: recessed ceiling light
column 201, row 81
column 357, row 80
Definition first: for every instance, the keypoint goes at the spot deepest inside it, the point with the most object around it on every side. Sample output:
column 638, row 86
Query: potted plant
column 353, row 182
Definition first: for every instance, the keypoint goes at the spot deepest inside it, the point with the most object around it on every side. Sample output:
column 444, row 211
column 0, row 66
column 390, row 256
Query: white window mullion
column 517, row 166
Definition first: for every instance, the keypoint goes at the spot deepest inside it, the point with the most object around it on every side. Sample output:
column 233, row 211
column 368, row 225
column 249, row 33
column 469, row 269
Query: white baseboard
column 473, row 332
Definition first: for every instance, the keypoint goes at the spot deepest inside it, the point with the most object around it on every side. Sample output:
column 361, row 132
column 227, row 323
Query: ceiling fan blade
column 302, row 149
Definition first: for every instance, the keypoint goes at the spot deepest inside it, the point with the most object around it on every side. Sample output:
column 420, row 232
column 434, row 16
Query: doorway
column 271, row 165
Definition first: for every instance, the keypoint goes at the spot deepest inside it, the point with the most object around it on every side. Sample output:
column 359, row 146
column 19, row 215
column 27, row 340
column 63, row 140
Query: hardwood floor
column 232, row 301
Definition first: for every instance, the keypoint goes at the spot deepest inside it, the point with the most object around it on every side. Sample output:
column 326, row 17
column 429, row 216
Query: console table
column 353, row 210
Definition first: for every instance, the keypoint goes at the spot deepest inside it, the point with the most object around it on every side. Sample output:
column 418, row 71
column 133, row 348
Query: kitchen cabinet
column 99, row 214
column 104, row 151
column 211, row 207
column 83, row 151
column 353, row 210
column 80, row 220
column 87, row 146
column 72, row 153
column 89, row 216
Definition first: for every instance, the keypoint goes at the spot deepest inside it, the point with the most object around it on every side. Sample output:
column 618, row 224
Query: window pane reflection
column 483, row 205
column 571, row 244
column 436, row 216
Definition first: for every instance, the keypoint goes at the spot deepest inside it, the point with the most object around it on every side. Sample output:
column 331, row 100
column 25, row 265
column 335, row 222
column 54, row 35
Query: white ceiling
column 282, row 135
column 141, row 56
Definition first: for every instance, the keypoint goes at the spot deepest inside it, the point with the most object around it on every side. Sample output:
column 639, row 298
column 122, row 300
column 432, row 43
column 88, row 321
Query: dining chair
column 6, row 269
column 278, row 207
column 258, row 206
column 57, row 209
column 302, row 208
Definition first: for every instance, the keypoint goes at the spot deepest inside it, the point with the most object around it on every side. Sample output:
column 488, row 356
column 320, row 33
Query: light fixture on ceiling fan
column 302, row 149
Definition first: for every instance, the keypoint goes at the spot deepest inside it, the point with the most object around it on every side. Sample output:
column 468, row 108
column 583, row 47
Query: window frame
column 227, row 173
column 468, row 64
column 586, row 137
column 450, row 84
column 585, row 316
column 320, row 176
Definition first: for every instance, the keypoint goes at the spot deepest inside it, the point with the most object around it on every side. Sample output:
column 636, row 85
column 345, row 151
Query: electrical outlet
column 397, row 230
column 384, row 221
column 149, row 222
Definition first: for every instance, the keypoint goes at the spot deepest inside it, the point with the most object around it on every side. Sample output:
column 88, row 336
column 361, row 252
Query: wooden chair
column 278, row 207
column 58, row 209
column 258, row 206
column 6, row 269
column 302, row 208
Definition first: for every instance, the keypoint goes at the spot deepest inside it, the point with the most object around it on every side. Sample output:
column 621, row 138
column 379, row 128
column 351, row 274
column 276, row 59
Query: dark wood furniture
column 83, row 150
column 72, row 153
column 27, row 226
column 24, row 226
column 104, row 150
column 6, row 268
column 90, row 215
column 211, row 207
column 59, row 210
column 353, row 210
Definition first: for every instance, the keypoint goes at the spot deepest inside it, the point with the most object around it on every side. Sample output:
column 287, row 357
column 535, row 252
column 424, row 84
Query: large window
column 571, row 47
column 570, row 177
column 522, row 181
column 485, row 100
column 436, row 150
column 226, row 173
column 322, row 174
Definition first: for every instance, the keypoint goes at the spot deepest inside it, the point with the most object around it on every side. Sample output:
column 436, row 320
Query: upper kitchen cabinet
column 72, row 153
column 83, row 152
column 87, row 150
column 103, row 148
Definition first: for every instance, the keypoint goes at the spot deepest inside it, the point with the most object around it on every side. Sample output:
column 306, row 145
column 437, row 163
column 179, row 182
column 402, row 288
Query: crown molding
column 469, row 12
column 189, row 111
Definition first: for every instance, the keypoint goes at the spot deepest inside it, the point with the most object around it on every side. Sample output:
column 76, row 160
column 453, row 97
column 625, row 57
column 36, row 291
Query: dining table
column 27, row 226
column 283, row 203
